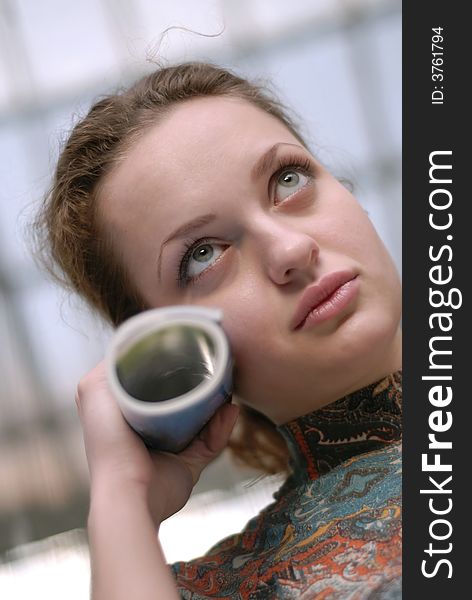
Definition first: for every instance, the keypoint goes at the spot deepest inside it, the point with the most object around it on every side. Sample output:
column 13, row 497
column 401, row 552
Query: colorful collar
column 363, row 421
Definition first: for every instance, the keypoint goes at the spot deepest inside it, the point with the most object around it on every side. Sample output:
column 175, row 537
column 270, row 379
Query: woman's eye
column 289, row 182
column 199, row 258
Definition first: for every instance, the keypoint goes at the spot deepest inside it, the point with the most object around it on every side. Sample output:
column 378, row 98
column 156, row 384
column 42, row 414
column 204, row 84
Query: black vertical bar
column 436, row 234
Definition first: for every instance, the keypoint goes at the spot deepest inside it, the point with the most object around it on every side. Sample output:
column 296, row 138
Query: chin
column 375, row 344
column 362, row 350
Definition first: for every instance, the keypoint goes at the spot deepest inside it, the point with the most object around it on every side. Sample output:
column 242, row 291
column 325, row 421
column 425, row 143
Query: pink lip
column 326, row 298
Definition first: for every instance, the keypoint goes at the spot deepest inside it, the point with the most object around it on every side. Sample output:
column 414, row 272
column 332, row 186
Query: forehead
column 199, row 144
column 201, row 128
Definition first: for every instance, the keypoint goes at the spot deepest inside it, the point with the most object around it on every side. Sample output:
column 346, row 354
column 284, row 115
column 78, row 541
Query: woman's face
column 220, row 205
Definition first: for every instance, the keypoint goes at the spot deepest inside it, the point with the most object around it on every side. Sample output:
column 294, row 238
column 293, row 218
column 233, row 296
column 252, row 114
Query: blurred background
column 336, row 63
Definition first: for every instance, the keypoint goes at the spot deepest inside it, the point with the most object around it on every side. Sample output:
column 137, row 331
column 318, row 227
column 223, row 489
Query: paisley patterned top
column 334, row 530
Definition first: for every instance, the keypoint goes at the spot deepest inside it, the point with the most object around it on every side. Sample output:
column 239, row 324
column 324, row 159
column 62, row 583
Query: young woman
column 194, row 187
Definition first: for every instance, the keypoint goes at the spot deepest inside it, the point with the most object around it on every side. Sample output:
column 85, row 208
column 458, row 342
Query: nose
column 290, row 254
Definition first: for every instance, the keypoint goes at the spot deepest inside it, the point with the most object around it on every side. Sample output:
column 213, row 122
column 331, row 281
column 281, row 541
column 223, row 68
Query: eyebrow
column 266, row 161
column 183, row 231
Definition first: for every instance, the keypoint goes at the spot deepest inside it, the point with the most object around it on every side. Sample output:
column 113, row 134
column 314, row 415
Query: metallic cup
column 170, row 369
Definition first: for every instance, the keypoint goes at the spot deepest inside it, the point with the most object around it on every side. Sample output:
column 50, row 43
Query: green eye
column 203, row 253
column 199, row 256
column 289, row 179
column 289, row 182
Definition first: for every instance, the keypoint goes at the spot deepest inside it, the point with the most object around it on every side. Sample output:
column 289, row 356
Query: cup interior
column 166, row 363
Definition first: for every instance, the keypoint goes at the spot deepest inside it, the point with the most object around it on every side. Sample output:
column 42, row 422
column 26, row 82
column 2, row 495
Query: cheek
column 359, row 239
column 246, row 322
column 243, row 328
column 378, row 268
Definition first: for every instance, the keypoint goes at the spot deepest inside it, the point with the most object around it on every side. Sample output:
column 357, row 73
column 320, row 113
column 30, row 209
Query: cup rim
column 142, row 325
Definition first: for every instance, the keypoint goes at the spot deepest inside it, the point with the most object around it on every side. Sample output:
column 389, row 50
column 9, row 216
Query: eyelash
column 182, row 280
column 296, row 163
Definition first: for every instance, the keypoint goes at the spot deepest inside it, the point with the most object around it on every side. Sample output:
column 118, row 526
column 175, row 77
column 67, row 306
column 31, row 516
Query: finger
column 212, row 440
column 216, row 434
column 105, row 430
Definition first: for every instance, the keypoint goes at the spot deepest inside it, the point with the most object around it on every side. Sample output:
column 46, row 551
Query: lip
column 326, row 298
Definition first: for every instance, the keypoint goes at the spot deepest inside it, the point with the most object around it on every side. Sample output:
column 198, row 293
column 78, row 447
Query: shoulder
column 305, row 538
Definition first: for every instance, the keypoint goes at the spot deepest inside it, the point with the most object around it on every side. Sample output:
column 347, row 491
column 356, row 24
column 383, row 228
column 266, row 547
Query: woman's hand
column 119, row 461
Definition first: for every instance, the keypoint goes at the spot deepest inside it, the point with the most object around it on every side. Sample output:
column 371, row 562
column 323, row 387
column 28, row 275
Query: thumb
column 211, row 441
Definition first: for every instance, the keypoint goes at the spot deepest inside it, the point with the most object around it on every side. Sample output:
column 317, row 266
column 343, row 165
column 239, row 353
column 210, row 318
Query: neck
column 380, row 365
column 335, row 381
